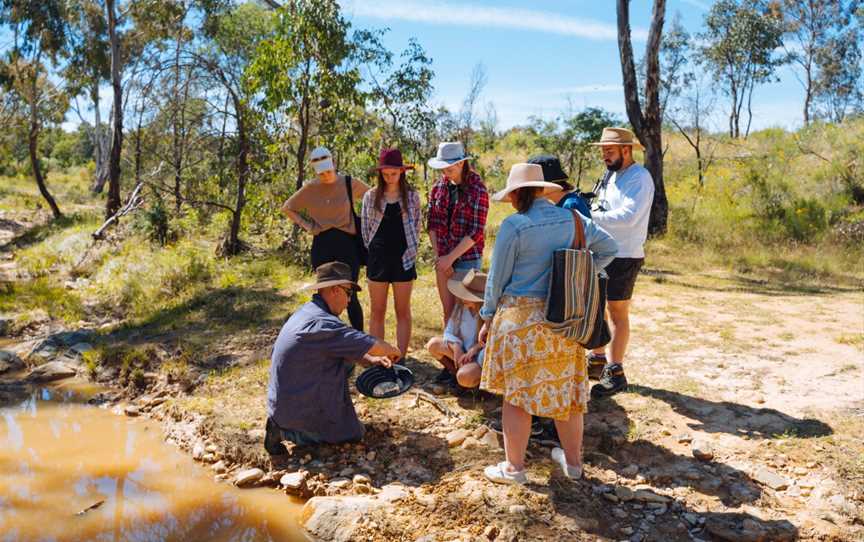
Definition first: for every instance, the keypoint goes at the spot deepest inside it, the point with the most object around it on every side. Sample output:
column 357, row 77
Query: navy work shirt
column 309, row 369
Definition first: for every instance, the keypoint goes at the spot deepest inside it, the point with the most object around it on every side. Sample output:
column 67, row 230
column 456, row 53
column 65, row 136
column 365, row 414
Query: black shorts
column 622, row 277
column 385, row 269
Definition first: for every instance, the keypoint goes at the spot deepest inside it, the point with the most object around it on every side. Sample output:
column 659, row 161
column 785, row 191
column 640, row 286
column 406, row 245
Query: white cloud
column 436, row 12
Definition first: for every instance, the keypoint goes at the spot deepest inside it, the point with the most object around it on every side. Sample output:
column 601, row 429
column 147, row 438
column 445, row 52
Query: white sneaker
column 569, row 471
column 501, row 475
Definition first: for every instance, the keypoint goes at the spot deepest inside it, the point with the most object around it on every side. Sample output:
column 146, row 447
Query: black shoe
column 595, row 366
column 445, row 377
column 611, row 382
column 536, row 426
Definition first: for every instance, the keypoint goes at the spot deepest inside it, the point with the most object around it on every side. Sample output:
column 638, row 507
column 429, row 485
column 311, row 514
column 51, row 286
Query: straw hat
column 524, row 176
column 618, row 137
column 332, row 274
column 469, row 287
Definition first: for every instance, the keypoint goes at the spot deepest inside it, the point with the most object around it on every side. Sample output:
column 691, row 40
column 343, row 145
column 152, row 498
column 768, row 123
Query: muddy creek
column 72, row 471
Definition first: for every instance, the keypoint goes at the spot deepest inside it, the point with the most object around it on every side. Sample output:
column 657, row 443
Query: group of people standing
column 494, row 333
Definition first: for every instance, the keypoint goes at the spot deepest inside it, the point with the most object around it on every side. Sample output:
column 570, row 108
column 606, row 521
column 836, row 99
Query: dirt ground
column 744, row 420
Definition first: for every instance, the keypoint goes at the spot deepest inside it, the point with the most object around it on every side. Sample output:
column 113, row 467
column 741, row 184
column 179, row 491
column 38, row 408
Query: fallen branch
column 426, row 396
column 135, row 201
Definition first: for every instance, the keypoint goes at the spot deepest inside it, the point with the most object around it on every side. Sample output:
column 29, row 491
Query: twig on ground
column 135, row 201
column 426, row 396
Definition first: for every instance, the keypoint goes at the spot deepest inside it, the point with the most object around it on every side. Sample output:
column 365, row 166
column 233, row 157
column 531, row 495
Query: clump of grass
column 130, row 363
column 41, row 294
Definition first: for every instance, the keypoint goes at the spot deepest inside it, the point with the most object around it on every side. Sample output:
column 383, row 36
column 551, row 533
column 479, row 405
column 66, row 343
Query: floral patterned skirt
column 533, row 368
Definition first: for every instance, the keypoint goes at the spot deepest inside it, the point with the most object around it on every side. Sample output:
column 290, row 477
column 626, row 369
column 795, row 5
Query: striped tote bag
column 576, row 300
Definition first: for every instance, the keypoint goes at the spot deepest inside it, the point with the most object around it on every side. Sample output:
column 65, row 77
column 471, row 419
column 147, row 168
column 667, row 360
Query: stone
column 48, row 372
column 211, row 449
column 337, row 519
column 248, row 477
column 456, row 437
column 768, row 477
column 801, row 471
column 702, row 450
column 490, row 532
column 470, row 442
column 219, row 467
column 685, row 438
column 518, row 509
column 691, row 518
column 339, row 483
column 611, row 497
column 490, row 439
column 361, row 479
column 9, row 361
column 478, row 434
column 81, row 348
column 347, row 472
column 840, row 504
column 624, row 493
column 132, row 411
column 5, row 325
column 620, row 513
column 209, row 458
column 371, row 456
column 198, row 451
column 294, row 482
column 393, row 492
column 645, row 495
column 627, row 530
column 630, row 471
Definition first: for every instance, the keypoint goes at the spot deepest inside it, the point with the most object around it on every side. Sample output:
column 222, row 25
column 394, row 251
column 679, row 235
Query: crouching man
column 307, row 398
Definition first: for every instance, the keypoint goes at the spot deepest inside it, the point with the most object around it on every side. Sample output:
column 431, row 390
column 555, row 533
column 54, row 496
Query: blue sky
column 540, row 54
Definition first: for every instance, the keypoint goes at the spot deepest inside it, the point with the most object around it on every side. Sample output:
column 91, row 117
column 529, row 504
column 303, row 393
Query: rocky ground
column 743, row 422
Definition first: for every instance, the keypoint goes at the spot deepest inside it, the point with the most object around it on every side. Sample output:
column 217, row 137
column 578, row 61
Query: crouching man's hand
column 384, row 353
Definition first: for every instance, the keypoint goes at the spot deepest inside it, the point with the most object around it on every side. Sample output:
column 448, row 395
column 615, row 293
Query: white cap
column 321, row 160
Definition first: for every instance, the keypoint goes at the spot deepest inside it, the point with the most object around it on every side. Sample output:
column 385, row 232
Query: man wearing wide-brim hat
column 307, row 398
column 622, row 207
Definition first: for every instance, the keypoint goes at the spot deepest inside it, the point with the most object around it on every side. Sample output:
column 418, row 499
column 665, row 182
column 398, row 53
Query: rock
column 702, row 450
column 248, row 477
column 5, row 325
column 624, row 493
column 840, row 504
column 198, row 451
column 347, row 472
column 9, row 361
column 490, row 439
column 209, row 458
column 54, row 370
column 685, row 438
column 470, row 442
column 627, row 531
column 361, row 479
column 518, row 509
column 645, row 495
column 339, row 483
column 393, row 492
column 456, row 437
column 611, row 497
column 294, row 482
column 479, row 432
column 768, row 477
column 219, row 467
column 211, row 449
column 337, row 519
column 691, row 518
column 490, row 532
column 630, row 471
column 131, row 411
column 371, row 456
column 620, row 513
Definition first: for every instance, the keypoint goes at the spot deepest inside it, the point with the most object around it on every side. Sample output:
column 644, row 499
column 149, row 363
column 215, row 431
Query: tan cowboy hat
column 524, row 176
column 618, row 136
column 331, row 274
column 468, row 287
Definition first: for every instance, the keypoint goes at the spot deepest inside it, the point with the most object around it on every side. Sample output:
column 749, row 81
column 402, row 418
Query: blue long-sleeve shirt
column 522, row 258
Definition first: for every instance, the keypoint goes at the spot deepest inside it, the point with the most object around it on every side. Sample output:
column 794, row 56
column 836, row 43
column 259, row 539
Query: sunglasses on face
column 347, row 289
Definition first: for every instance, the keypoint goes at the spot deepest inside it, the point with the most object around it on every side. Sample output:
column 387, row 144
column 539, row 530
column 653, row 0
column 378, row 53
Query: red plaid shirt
column 468, row 219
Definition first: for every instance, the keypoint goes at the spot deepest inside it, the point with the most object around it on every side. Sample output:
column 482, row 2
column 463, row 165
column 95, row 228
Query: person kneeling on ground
column 458, row 350
column 308, row 401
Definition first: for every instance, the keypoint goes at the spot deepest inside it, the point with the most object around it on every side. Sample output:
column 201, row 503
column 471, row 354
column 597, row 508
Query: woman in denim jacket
column 537, row 372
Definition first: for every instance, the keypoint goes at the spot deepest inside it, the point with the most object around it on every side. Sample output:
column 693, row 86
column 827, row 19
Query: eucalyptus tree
column 741, row 43
column 39, row 34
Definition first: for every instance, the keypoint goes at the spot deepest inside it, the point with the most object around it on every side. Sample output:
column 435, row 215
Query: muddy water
column 60, row 456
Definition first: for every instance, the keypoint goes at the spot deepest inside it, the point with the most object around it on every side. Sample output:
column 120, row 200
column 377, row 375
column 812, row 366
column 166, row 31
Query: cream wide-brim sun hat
column 525, row 176
column 618, row 137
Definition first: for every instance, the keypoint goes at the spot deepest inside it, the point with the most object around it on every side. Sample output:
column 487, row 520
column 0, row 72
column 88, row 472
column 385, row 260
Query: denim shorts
column 463, row 265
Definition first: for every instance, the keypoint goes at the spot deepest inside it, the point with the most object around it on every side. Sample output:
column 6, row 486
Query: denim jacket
column 522, row 258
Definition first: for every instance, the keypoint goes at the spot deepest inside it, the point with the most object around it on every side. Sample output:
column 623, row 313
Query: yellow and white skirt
column 533, row 368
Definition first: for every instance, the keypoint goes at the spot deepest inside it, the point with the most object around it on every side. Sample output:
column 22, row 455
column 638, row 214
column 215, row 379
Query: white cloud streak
column 435, row 12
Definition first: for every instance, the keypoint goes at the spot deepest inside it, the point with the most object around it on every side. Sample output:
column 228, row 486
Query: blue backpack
column 577, row 201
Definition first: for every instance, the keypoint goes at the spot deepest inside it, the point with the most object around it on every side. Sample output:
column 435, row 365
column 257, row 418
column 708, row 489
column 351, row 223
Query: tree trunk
column 33, row 144
column 302, row 143
column 647, row 126
column 113, row 203
column 177, row 151
column 99, row 142
column 242, row 178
